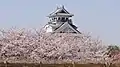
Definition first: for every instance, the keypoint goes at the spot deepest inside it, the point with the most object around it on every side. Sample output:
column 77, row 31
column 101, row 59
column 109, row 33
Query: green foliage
column 112, row 50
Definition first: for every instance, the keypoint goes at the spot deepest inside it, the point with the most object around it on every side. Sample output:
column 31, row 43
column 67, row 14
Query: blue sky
column 101, row 17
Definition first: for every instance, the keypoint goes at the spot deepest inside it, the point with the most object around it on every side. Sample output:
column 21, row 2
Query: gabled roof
column 66, row 25
column 60, row 11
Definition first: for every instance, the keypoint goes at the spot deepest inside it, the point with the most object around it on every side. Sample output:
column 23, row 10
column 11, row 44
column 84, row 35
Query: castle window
column 63, row 19
column 52, row 19
column 54, row 23
column 66, row 19
column 59, row 18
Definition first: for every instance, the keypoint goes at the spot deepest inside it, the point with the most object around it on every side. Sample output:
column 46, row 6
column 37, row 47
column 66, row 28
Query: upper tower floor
column 60, row 15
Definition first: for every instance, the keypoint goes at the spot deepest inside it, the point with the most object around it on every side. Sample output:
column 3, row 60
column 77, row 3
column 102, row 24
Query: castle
column 60, row 22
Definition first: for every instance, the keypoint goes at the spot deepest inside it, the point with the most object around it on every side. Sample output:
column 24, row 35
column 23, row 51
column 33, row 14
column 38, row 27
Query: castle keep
column 60, row 22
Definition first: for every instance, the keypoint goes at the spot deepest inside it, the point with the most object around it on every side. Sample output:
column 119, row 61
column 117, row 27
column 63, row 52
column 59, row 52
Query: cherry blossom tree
column 21, row 45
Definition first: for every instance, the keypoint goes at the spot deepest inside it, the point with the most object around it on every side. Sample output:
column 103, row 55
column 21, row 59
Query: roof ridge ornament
column 58, row 7
column 62, row 6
